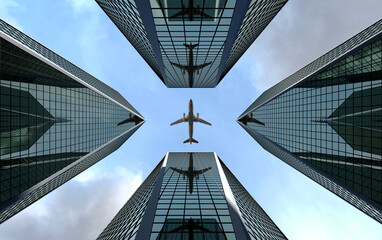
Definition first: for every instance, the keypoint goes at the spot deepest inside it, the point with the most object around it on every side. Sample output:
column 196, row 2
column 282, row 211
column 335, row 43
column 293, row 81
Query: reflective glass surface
column 48, row 121
column 259, row 225
column 126, row 17
column 260, row 13
column 205, row 23
column 127, row 221
column 192, row 205
column 333, row 120
column 188, row 201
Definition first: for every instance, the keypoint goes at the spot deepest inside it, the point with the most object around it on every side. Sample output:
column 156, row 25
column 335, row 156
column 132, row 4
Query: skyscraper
column 191, row 196
column 325, row 120
column 56, row 120
column 191, row 43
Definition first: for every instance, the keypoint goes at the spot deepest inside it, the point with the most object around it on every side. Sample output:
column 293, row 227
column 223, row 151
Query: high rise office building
column 56, row 120
column 191, row 43
column 325, row 120
column 191, row 196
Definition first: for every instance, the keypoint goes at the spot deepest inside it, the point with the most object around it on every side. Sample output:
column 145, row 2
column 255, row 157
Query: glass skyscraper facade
column 325, row 120
column 191, row 196
column 221, row 31
column 56, row 120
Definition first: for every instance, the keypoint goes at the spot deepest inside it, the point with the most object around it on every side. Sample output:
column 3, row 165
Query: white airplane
column 190, row 118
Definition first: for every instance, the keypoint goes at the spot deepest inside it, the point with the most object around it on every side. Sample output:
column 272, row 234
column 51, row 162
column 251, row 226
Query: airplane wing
column 203, row 229
column 179, row 65
column 178, row 228
column 256, row 121
column 178, row 14
column 130, row 119
column 251, row 119
column 196, row 12
column 179, row 171
column 125, row 121
column 179, row 121
column 201, row 121
column 201, row 171
column 198, row 67
column 201, row 13
column 194, row 226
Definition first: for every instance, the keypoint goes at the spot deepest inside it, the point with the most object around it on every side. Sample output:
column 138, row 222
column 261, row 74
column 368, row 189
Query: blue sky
column 80, row 31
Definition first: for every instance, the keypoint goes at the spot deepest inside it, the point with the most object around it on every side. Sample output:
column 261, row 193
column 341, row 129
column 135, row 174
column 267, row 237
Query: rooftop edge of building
column 10, row 33
column 318, row 65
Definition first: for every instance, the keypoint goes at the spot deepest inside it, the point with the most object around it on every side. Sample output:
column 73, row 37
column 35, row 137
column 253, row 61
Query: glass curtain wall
column 333, row 120
column 192, row 206
column 48, row 121
column 205, row 23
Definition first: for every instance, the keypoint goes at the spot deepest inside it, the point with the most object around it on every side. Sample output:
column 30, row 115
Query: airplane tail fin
column 190, row 46
column 192, row 140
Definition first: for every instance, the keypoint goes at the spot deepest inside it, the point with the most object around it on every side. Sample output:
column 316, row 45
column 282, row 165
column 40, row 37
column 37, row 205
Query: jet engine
column 184, row 116
column 197, row 115
column 197, row 71
column 183, row 71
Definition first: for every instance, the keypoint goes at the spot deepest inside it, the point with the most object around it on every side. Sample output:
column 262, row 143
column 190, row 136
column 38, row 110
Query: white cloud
column 315, row 213
column 77, row 210
column 90, row 35
column 81, row 208
column 6, row 7
column 305, row 30
column 85, row 176
column 81, row 5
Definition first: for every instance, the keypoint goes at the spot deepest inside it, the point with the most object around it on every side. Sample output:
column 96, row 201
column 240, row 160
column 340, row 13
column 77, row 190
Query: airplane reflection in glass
column 190, row 68
column 190, row 173
column 190, row 10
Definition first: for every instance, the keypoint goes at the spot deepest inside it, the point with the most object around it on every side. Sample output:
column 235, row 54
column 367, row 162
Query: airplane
column 189, row 227
column 190, row 118
column 190, row 173
column 191, row 11
column 190, row 68
column 132, row 118
column 250, row 118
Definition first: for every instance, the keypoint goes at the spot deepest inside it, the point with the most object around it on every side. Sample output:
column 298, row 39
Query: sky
column 82, row 33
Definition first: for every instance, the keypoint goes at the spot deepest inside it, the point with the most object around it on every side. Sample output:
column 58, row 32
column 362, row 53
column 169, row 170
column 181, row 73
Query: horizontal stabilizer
column 188, row 140
column 191, row 46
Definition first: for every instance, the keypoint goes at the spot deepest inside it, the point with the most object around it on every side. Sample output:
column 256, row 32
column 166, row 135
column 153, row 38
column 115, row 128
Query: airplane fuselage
column 190, row 68
column 190, row 173
column 190, row 10
column 191, row 226
column 190, row 120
